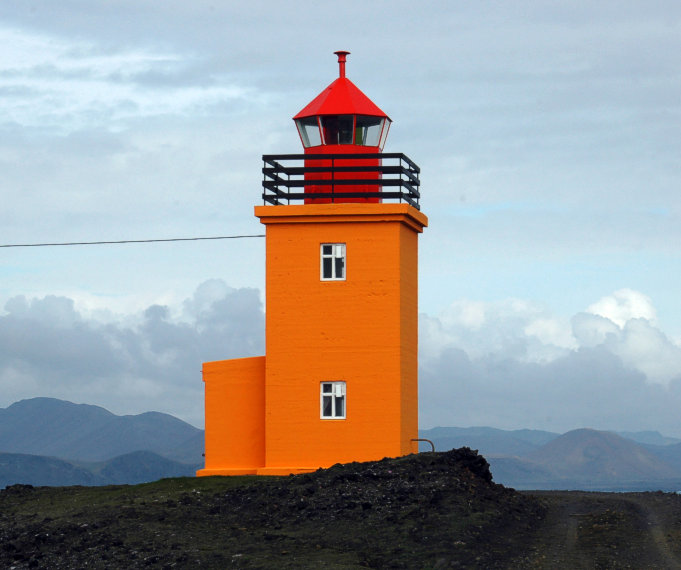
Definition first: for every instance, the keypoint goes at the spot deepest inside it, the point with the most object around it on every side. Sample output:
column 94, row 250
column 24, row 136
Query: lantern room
column 342, row 119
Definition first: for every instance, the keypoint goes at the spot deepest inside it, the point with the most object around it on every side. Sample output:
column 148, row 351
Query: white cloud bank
column 512, row 365
column 508, row 364
column 149, row 361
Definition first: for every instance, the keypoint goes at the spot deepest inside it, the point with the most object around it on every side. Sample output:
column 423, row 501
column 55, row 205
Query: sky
column 549, row 139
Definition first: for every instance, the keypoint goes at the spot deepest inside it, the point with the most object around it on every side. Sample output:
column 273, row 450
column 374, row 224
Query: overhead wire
column 71, row 243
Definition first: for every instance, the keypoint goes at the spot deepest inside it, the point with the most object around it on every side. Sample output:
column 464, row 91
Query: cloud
column 67, row 84
column 624, row 323
column 152, row 362
column 508, row 364
column 514, row 328
column 592, row 330
column 511, row 364
column 624, row 305
column 589, row 387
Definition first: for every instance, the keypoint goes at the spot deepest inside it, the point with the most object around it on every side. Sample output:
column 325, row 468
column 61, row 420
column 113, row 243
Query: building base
column 226, row 471
column 252, row 471
column 285, row 470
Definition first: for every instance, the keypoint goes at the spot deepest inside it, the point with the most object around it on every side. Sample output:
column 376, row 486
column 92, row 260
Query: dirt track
column 606, row 530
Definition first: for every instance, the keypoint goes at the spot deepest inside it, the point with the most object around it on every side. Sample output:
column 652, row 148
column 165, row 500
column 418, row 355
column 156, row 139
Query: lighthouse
column 338, row 381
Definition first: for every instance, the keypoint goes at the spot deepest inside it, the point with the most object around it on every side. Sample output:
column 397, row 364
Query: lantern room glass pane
column 384, row 133
column 337, row 129
column 308, row 128
column 368, row 130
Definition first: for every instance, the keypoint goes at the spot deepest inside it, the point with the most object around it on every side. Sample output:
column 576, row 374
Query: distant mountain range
column 44, row 441
column 583, row 459
column 46, row 426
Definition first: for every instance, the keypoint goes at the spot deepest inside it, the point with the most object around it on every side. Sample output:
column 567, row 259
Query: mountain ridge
column 599, row 455
column 579, row 459
column 88, row 445
column 84, row 432
column 128, row 469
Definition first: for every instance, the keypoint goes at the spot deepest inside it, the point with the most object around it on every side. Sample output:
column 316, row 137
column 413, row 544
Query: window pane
column 368, row 130
column 309, row 131
column 384, row 134
column 345, row 131
column 327, row 268
column 327, row 388
column 340, row 407
column 340, row 268
column 326, row 406
column 337, row 129
column 327, row 249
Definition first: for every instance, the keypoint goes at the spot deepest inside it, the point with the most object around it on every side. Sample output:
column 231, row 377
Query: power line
column 128, row 241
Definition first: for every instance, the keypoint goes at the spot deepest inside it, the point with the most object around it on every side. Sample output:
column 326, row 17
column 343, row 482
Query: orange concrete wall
column 362, row 330
column 409, row 339
column 235, row 416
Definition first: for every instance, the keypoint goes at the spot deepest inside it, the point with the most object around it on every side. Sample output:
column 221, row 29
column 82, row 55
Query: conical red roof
column 342, row 97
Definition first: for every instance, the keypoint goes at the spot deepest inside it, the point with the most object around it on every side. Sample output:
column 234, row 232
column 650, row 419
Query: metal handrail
column 432, row 445
column 285, row 180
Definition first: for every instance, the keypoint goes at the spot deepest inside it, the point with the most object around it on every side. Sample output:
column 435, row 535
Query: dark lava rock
column 422, row 510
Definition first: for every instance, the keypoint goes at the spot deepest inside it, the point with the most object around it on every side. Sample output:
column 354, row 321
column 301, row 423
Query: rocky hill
column 431, row 510
column 425, row 510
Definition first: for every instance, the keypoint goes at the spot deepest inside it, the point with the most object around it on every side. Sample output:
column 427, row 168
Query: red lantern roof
column 342, row 97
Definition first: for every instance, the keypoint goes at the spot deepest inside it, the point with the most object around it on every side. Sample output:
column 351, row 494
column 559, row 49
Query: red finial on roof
column 342, row 97
column 341, row 62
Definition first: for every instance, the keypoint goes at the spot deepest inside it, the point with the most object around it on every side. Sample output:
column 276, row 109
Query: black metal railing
column 329, row 178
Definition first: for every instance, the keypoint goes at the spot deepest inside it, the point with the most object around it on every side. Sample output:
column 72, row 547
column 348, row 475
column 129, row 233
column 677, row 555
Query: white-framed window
column 332, row 400
column 332, row 266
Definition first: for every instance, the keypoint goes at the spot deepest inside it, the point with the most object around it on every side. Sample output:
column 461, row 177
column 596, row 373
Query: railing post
column 401, row 169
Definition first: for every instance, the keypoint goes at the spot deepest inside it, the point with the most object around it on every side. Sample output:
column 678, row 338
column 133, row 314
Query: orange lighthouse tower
column 339, row 379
